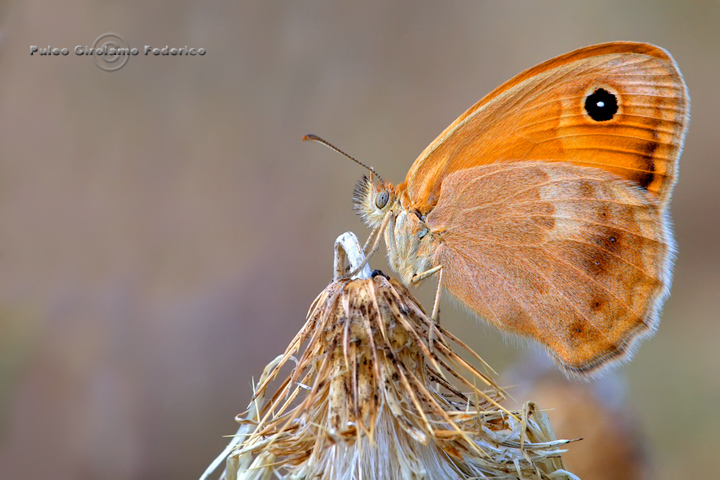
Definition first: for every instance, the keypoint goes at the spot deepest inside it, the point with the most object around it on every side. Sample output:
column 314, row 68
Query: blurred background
column 163, row 230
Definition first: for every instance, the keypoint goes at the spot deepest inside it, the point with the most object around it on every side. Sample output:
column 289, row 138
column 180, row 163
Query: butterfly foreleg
column 377, row 232
column 418, row 277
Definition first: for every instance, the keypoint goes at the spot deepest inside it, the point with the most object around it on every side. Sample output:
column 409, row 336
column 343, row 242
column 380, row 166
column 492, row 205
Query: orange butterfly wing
column 567, row 255
column 541, row 115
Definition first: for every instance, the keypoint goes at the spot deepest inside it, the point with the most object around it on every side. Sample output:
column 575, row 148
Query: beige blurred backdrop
column 163, row 229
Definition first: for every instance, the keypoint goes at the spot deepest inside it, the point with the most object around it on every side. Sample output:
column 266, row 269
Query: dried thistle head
column 380, row 392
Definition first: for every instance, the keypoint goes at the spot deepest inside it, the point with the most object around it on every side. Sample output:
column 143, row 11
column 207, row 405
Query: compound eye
column 382, row 199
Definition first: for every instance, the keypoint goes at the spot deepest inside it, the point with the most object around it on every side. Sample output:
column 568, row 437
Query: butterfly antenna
column 315, row 138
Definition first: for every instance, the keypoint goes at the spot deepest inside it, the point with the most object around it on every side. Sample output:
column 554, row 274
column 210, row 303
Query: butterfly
column 544, row 207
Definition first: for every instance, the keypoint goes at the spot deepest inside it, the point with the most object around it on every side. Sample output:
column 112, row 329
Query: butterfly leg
column 376, row 244
column 418, row 277
column 374, row 233
column 436, row 305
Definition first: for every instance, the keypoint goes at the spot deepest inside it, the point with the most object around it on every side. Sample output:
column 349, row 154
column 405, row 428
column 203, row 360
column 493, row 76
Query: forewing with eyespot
column 541, row 114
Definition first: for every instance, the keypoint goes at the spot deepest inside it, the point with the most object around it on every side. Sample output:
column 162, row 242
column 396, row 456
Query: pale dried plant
column 380, row 391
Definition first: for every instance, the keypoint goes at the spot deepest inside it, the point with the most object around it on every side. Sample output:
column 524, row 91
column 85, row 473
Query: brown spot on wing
column 646, row 175
column 609, row 239
column 595, row 265
column 586, row 189
column 578, row 332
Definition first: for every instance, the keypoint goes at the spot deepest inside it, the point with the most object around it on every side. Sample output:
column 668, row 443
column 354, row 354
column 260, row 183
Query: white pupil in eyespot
column 600, row 104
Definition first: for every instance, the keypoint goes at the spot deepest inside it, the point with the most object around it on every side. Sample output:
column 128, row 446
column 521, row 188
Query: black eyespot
column 601, row 105
column 382, row 199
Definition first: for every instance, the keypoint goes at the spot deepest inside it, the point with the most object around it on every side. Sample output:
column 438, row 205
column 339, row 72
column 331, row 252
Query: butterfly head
column 373, row 199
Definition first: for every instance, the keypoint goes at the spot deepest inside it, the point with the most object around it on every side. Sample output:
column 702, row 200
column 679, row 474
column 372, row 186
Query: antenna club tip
column 310, row 136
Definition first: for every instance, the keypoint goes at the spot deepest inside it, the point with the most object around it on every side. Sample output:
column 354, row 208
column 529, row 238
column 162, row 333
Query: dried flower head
column 380, row 392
